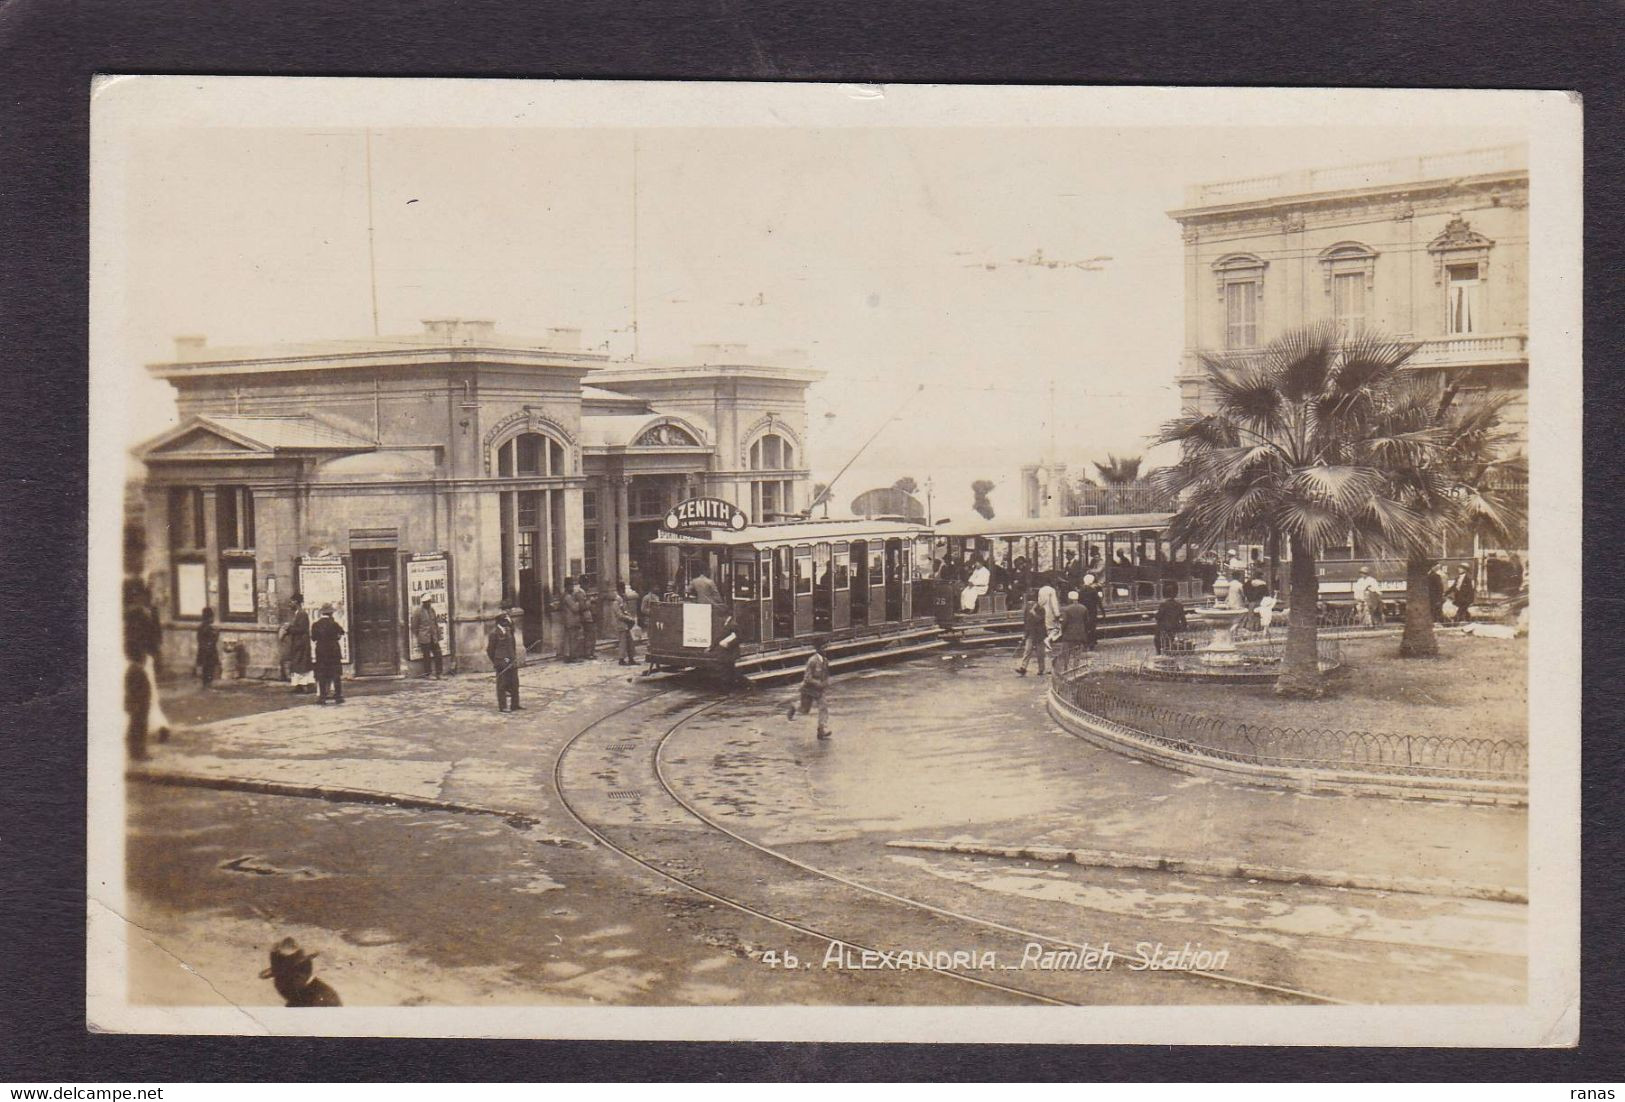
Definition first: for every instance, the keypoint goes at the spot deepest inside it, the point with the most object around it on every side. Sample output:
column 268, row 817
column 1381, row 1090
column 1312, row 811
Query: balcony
column 1461, row 350
column 1472, row 350
column 1398, row 170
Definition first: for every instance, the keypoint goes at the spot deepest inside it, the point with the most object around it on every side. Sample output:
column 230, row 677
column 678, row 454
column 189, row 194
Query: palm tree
column 1445, row 458
column 1119, row 472
column 1294, row 448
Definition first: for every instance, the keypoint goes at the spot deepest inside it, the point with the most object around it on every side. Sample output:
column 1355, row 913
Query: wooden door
column 376, row 618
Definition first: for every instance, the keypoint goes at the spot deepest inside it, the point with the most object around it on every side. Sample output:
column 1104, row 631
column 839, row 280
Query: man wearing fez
column 502, row 650
column 294, row 974
column 326, row 633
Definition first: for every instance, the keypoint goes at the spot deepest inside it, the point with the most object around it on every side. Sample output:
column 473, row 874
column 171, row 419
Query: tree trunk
column 1418, row 640
column 1300, row 669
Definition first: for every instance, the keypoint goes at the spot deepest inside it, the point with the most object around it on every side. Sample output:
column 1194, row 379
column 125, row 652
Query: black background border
column 49, row 50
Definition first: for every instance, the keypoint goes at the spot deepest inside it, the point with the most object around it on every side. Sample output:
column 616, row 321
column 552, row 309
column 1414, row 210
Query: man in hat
column 295, row 976
column 1461, row 593
column 626, row 618
column 326, row 633
column 502, row 650
column 296, row 646
column 428, row 631
column 1094, row 607
column 1075, row 628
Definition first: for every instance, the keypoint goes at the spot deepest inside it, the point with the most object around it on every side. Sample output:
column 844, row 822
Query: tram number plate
column 697, row 625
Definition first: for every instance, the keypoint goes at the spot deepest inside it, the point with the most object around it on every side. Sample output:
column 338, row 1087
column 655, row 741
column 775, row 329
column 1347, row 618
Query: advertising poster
column 190, row 593
column 322, row 582
column 239, row 599
column 429, row 574
column 696, row 625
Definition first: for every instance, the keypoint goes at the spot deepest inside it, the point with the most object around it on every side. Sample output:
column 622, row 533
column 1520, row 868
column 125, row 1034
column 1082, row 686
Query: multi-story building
column 480, row 470
column 1433, row 249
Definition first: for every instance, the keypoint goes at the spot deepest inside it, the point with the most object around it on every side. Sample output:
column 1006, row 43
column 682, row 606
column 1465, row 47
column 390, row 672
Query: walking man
column 326, row 633
column 814, row 683
column 626, row 618
column 501, row 649
column 1367, row 599
column 1074, row 634
column 1034, row 630
column 1094, row 607
column 428, row 631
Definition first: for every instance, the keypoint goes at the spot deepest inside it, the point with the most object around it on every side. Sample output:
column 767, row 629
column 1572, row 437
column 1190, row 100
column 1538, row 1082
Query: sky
column 893, row 258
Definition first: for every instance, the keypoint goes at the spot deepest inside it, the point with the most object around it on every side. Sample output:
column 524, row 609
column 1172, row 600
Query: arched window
column 531, row 454
column 772, row 453
column 1349, row 273
column 772, row 498
column 1241, row 289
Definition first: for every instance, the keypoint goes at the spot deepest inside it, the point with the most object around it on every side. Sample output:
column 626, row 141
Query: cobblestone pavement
column 944, row 748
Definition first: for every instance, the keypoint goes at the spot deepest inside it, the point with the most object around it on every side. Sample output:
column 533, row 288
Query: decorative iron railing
column 1228, row 739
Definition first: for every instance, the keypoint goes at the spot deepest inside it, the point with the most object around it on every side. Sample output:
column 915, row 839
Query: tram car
column 876, row 589
column 1134, row 562
column 776, row 587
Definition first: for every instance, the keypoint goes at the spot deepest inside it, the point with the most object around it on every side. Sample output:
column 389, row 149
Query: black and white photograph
column 834, row 562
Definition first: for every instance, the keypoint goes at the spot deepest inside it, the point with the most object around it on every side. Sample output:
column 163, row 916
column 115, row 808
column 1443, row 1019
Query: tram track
column 619, row 793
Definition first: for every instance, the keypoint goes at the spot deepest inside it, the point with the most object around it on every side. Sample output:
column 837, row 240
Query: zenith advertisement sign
column 704, row 512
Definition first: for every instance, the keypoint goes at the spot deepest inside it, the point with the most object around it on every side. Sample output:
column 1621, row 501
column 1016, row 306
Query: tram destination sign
column 705, row 513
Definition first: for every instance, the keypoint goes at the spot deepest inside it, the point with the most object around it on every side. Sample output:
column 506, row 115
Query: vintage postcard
column 746, row 561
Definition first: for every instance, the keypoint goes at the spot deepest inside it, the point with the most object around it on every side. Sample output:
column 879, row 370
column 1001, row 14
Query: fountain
column 1222, row 616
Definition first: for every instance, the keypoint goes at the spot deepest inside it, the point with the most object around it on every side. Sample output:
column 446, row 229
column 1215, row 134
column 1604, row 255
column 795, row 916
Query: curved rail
column 743, row 908
column 1219, row 977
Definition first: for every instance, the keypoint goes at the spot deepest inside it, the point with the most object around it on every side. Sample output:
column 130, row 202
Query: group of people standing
column 1070, row 627
column 312, row 652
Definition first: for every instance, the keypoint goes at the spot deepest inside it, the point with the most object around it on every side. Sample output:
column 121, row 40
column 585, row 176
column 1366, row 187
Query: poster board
column 696, row 625
column 429, row 574
column 191, row 590
column 237, row 592
column 325, row 582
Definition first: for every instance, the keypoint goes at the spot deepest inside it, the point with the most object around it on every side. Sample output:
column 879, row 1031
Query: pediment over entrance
column 203, row 436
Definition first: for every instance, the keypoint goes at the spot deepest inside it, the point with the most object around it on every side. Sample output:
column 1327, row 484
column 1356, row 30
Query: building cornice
column 529, row 359
column 1397, row 194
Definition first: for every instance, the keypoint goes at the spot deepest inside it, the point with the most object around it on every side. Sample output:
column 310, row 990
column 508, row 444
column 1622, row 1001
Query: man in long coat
column 296, row 646
column 326, row 633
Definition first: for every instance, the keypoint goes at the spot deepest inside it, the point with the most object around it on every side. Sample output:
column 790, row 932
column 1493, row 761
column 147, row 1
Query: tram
column 886, row 588
column 1134, row 562
column 777, row 587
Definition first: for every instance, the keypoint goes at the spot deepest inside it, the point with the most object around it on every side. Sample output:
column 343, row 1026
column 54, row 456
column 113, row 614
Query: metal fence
column 1232, row 739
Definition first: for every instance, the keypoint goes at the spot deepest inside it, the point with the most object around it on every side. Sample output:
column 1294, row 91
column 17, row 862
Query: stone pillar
column 623, row 532
column 476, row 566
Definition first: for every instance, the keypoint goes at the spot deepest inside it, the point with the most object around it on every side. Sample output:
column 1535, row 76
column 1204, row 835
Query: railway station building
column 478, row 469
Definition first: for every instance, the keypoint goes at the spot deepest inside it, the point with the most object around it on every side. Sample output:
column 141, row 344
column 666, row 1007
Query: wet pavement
column 420, row 905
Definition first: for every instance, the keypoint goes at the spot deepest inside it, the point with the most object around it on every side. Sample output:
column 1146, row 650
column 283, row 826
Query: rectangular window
column 589, row 506
column 234, row 517
column 1348, row 300
column 843, row 567
column 1241, row 315
column 530, row 454
column 804, row 572
column 186, row 529
column 770, row 500
column 1463, row 300
column 530, row 509
column 745, row 579
column 589, row 565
